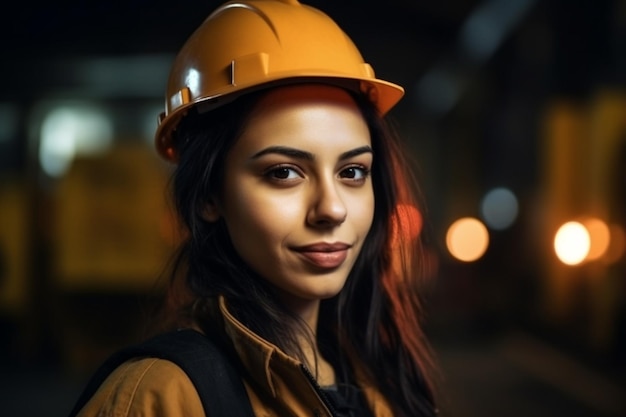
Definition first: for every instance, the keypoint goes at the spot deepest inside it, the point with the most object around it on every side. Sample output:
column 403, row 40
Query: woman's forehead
column 306, row 115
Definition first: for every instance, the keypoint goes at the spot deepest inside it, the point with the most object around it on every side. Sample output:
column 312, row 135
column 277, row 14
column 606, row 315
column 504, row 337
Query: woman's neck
column 308, row 311
column 317, row 364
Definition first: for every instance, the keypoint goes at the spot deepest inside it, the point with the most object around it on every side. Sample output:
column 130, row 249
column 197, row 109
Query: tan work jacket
column 150, row 387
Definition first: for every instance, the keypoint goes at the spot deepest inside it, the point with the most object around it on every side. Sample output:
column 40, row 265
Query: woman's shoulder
column 146, row 387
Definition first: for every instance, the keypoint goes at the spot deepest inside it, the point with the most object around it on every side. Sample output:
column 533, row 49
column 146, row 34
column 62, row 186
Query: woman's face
column 297, row 197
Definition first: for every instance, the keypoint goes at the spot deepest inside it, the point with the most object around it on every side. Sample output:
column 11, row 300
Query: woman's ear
column 211, row 213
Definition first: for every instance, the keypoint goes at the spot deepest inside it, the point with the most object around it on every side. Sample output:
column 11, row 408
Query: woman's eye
column 282, row 173
column 357, row 173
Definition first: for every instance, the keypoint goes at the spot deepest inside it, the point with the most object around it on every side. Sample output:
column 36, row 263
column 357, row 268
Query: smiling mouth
column 323, row 255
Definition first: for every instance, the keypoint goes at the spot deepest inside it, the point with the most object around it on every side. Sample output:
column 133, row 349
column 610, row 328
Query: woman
column 301, row 255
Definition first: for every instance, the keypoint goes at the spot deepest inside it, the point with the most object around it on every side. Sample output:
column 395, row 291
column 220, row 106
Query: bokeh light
column 572, row 243
column 599, row 238
column 499, row 208
column 467, row 239
column 68, row 131
column 617, row 245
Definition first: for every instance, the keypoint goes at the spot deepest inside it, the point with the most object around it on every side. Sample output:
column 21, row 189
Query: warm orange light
column 617, row 244
column 600, row 238
column 572, row 243
column 467, row 239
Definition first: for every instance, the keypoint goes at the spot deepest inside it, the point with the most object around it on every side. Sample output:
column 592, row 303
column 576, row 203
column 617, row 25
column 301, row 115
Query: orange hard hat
column 252, row 44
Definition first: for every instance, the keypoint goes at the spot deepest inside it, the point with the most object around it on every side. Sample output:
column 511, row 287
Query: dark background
column 529, row 96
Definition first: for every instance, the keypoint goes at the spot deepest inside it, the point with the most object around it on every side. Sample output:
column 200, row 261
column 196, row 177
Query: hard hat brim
column 384, row 95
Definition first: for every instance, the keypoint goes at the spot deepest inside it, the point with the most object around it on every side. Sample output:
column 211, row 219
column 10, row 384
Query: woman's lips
column 324, row 255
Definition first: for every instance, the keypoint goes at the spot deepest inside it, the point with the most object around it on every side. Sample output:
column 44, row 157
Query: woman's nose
column 328, row 208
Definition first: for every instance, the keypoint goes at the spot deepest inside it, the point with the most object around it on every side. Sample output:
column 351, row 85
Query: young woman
column 301, row 256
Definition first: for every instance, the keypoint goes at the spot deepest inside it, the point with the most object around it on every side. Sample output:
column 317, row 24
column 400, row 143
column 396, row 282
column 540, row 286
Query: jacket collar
column 268, row 364
column 257, row 354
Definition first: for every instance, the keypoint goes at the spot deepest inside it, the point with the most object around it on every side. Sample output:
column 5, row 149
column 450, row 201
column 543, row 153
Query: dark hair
column 376, row 318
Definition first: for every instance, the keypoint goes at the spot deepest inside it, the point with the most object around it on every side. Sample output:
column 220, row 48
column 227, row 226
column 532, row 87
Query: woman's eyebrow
column 355, row 152
column 300, row 154
column 285, row 150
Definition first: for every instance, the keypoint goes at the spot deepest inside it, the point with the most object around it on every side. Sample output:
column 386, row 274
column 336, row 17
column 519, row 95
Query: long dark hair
column 376, row 318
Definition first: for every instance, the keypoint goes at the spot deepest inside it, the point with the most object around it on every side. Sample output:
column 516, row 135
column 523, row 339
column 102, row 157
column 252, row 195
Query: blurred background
column 515, row 113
